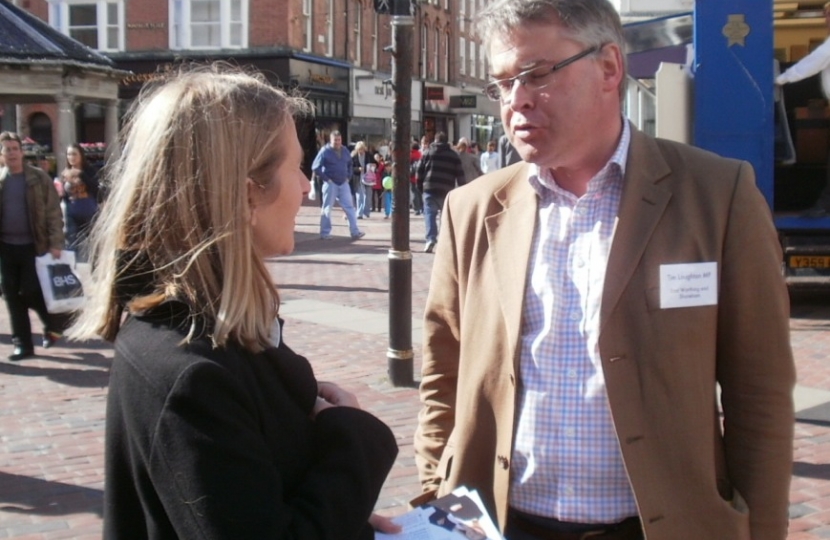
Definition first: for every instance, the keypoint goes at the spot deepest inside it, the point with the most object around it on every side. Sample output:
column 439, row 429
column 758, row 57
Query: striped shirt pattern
column 566, row 460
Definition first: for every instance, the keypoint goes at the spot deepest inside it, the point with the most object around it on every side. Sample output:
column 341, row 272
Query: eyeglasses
column 533, row 79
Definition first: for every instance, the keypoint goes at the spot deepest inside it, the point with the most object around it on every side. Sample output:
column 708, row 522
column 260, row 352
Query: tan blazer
column 691, row 479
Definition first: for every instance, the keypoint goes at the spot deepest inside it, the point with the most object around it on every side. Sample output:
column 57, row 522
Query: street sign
column 463, row 102
column 395, row 7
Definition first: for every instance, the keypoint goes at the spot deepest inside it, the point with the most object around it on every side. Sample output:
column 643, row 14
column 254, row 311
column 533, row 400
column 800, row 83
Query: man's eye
column 538, row 73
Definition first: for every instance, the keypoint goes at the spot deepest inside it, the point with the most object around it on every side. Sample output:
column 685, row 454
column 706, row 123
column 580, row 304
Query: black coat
column 218, row 443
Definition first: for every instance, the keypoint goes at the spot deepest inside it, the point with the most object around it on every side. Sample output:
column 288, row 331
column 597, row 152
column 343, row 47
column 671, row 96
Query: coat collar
column 510, row 235
column 511, row 226
column 646, row 193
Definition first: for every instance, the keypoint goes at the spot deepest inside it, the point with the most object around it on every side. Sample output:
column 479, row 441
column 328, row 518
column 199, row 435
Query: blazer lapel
column 644, row 199
column 510, row 234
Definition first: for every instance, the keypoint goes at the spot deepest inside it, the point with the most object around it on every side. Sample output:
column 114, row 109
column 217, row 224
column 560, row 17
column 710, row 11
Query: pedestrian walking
column 333, row 165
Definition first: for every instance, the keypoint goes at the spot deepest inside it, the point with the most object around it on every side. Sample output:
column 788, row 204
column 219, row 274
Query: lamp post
column 400, row 353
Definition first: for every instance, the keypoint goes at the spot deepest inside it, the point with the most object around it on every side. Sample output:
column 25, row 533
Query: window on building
column 473, row 60
column 97, row 24
column 358, row 34
column 447, row 55
column 330, row 29
column 374, row 39
column 436, row 43
column 482, row 63
column 424, row 55
column 209, row 24
column 462, row 15
column 462, row 56
column 308, row 24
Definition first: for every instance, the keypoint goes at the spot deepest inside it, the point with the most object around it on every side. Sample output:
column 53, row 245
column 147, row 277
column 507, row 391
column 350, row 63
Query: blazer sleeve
column 756, row 375
column 216, row 478
column 439, row 372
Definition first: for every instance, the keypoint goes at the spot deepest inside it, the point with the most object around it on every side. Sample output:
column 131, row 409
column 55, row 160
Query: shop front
column 373, row 103
column 323, row 81
column 437, row 113
column 478, row 118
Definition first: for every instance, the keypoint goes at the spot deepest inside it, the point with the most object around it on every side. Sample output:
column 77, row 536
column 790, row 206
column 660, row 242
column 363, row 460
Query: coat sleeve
column 53, row 215
column 216, row 477
column 756, row 375
column 439, row 373
column 318, row 165
column 460, row 178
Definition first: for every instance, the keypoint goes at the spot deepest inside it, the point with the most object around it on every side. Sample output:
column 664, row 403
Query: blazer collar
column 510, row 227
column 646, row 192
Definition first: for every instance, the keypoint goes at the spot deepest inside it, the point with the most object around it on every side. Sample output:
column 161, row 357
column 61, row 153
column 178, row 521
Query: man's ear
column 612, row 66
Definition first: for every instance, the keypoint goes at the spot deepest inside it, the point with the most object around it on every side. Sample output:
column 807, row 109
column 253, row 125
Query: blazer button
column 504, row 462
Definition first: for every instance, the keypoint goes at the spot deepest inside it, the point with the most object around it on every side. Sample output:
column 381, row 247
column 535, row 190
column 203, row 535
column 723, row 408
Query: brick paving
column 52, row 413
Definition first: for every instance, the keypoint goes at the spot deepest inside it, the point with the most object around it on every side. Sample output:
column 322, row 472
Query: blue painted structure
column 734, row 105
column 733, row 98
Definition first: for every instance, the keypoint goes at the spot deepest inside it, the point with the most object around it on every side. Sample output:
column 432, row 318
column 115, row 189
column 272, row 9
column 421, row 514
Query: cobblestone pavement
column 336, row 301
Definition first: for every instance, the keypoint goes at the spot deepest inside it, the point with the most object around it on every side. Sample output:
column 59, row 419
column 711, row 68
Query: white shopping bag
column 62, row 289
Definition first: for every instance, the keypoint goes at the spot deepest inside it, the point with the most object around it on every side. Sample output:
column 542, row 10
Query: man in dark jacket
column 30, row 225
column 439, row 172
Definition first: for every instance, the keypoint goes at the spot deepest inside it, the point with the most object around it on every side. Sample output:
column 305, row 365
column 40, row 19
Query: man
column 469, row 160
column 30, row 225
column 817, row 61
column 439, row 171
column 490, row 160
column 333, row 165
column 586, row 302
column 414, row 159
column 508, row 154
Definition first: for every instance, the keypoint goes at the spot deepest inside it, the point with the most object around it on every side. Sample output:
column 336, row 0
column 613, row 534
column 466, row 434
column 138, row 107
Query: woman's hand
column 336, row 395
column 384, row 524
column 331, row 395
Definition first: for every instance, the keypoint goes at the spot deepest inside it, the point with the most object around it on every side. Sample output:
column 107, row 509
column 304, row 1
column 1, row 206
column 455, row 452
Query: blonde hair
column 178, row 216
column 360, row 145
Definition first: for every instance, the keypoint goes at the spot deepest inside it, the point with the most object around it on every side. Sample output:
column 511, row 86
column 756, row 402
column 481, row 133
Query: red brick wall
column 147, row 25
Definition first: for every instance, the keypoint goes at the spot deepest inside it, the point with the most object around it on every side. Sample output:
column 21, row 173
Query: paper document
column 458, row 515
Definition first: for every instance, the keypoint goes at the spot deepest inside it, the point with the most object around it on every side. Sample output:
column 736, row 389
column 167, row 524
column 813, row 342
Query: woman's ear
column 251, row 192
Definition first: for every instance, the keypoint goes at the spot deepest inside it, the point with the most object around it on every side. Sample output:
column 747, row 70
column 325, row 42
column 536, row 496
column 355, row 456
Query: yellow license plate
column 809, row 261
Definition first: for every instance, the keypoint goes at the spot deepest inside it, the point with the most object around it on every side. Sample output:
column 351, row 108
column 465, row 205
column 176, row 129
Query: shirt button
column 569, row 490
column 580, row 262
column 572, row 373
column 570, row 432
column 575, row 315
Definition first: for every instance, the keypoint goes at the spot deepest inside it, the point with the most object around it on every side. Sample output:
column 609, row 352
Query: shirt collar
column 543, row 180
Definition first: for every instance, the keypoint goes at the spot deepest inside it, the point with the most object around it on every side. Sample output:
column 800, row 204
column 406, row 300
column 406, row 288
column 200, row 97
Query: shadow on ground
column 26, row 495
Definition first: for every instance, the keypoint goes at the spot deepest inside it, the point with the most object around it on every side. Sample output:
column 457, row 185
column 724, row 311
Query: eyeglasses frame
column 522, row 76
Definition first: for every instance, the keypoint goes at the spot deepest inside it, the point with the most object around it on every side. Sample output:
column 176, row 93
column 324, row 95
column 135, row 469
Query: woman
column 377, row 189
column 360, row 161
column 80, row 188
column 215, row 427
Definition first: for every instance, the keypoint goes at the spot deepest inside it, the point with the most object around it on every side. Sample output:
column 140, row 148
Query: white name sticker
column 688, row 285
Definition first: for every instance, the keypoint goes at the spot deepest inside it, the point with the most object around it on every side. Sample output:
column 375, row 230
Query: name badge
column 688, row 285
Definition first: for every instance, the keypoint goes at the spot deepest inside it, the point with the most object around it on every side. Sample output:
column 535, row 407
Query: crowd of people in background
column 372, row 178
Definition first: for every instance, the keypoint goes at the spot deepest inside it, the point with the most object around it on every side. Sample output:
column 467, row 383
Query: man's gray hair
column 590, row 22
